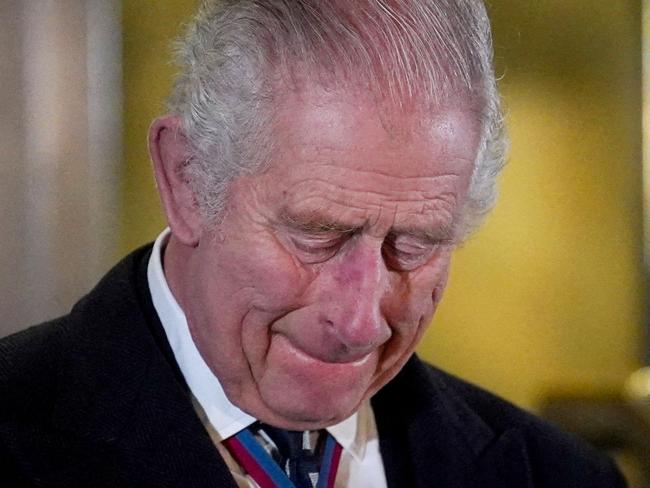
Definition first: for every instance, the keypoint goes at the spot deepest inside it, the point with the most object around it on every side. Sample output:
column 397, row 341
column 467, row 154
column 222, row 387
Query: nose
column 353, row 319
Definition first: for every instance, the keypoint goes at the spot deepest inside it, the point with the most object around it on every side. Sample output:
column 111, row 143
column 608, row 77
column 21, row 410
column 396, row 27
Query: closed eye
column 407, row 253
column 318, row 247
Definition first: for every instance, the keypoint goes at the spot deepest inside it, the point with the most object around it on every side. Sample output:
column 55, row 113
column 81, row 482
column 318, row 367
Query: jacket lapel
column 429, row 436
column 504, row 463
column 123, row 402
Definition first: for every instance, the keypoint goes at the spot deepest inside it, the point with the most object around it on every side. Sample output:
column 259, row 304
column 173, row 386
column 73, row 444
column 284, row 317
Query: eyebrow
column 317, row 222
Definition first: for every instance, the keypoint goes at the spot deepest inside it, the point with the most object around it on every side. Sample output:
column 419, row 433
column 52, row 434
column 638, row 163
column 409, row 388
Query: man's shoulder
column 29, row 362
column 496, row 429
column 497, row 413
column 32, row 360
column 70, row 387
column 500, row 415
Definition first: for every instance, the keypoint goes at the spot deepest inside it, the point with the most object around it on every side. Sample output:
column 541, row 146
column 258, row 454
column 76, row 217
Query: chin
column 308, row 414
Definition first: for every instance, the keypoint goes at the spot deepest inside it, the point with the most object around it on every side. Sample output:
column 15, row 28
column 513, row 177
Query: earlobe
column 169, row 155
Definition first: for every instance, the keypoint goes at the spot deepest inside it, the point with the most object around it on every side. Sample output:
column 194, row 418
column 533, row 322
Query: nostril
column 350, row 337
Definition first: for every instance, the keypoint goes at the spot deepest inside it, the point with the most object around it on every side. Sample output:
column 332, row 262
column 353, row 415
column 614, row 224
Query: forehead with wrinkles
column 342, row 162
column 338, row 111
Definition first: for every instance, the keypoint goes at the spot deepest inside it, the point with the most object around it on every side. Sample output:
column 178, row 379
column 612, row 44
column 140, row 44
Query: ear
column 169, row 153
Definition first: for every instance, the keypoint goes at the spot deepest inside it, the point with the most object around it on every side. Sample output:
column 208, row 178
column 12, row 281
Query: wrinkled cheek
column 425, row 294
column 436, row 282
column 271, row 279
column 418, row 321
column 282, row 281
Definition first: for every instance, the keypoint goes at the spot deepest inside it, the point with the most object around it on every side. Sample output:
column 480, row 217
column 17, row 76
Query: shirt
column 361, row 464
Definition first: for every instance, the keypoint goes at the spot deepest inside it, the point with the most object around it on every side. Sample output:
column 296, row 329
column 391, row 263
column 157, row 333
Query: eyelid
column 418, row 251
column 318, row 246
column 319, row 235
column 308, row 245
column 414, row 241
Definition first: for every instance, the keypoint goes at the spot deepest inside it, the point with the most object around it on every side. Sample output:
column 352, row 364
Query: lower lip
column 281, row 341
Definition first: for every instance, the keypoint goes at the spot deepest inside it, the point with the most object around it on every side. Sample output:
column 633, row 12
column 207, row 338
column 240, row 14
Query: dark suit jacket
column 95, row 399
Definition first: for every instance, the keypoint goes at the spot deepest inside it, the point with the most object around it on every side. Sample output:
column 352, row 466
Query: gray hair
column 410, row 51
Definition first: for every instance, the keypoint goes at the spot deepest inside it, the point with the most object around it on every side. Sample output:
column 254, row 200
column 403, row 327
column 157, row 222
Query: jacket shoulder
column 552, row 453
column 34, row 361
column 29, row 364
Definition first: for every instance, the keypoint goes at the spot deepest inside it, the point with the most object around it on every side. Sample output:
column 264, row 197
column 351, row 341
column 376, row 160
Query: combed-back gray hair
column 408, row 51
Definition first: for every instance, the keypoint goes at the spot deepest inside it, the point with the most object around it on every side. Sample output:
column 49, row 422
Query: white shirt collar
column 226, row 418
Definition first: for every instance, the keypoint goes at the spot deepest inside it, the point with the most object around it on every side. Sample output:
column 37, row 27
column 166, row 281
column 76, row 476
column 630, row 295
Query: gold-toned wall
column 150, row 27
column 548, row 297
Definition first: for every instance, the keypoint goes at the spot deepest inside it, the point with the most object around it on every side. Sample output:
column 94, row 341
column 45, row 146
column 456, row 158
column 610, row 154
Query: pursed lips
column 327, row 354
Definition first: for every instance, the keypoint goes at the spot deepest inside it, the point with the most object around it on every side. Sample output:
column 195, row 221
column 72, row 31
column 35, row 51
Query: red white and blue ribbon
column 267, row 473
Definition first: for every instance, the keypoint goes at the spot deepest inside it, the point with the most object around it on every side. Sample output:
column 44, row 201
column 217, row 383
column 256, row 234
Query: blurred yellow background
column 548, row 296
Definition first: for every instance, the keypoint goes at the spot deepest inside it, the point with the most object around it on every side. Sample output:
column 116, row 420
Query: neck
column 175, row 260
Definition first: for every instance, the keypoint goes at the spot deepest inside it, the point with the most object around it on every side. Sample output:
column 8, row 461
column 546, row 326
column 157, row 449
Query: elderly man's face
column 327, row 268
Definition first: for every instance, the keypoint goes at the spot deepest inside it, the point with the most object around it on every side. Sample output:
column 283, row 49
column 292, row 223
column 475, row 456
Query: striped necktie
column 299, row 453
